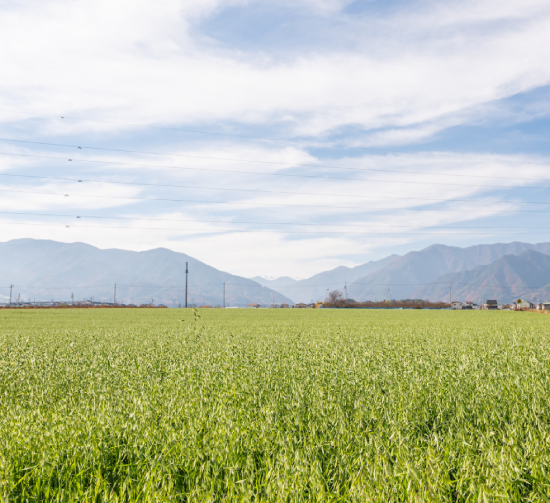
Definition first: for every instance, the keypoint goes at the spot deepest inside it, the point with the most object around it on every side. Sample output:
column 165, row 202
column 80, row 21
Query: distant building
column 285, row 306
column 456, row 305
column 543, row 306
column 490, row 305
column 254, row 305
column 300, row 305
column 525, row 304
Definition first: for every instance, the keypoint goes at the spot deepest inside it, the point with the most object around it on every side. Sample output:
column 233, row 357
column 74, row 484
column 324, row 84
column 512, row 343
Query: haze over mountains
column 44, row 270
column 408, row 276
column 525, row 276
column 314, row 288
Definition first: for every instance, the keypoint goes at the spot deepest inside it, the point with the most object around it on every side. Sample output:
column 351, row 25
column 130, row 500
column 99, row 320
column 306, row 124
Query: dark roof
column 492, row 302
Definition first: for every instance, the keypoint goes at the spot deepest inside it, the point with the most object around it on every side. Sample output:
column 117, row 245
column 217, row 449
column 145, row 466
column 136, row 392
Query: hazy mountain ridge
column 314, row 288
column 526, row 275
column 406, row 275
column 45, row 269
column 282, row 281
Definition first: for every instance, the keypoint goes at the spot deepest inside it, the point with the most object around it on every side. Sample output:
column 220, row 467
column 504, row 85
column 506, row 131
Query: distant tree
column 335, row 296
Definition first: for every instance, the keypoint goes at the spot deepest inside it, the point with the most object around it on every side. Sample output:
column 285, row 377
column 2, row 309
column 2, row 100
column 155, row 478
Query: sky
column 275, row 138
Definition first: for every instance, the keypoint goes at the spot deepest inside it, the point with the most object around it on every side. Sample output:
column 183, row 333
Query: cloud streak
column 385, row 78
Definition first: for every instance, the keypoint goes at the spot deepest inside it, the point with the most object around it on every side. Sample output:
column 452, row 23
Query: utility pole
column 450, row 304
column 224, row 295
column 186, row 275
column 115, row 296
column 72, row 299
column 11, row 288
column 346, row 289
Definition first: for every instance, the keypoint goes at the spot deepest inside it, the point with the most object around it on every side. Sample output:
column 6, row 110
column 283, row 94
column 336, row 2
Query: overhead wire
column 227, row 283
column 268, row 162
column 277, row 140
column 110, row 217
column 278, row 163
column 253, row 231
column 140, row 184
column 263, row 204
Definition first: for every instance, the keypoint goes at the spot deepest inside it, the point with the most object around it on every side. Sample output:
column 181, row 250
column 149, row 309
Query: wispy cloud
column 394, row 78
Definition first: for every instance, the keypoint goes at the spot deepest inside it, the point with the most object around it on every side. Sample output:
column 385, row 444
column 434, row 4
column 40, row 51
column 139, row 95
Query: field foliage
column 274, row 405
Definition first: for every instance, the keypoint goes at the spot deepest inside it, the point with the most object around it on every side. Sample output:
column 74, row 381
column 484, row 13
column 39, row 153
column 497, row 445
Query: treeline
column 83, row 306
column 388, row 305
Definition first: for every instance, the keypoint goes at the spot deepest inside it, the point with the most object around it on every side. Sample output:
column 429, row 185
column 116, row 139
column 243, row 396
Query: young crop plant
column 274, row 405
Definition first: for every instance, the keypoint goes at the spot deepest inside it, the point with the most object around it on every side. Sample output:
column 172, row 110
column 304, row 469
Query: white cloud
column 279, row 252
column 137, row 61
column 411, row 73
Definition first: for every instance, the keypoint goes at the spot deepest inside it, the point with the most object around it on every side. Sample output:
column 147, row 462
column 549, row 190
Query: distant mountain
column 314, row 288
column 406, row 274
column 273, row 283
column 526, row 275
column 45, row 270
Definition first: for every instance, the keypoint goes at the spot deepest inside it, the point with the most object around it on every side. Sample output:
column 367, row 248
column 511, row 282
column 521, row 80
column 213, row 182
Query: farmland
column 274, row 405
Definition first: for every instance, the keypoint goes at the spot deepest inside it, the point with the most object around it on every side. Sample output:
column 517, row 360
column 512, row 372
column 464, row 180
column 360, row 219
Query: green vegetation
column 274, row 405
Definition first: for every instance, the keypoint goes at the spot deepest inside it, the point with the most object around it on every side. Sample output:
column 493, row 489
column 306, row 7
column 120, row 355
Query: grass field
column 274, row 405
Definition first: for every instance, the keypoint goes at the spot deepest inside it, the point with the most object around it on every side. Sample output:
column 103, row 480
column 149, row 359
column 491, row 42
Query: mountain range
column 44, row 270
column 315, row 288
column 509, row 278
column 408, row 276
column 417, row 274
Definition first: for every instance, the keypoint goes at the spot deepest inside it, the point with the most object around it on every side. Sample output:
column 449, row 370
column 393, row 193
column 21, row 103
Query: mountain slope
column 44, row 269
column 526, row 275
column 314, row 288
column 406, row 274
column 273, row 283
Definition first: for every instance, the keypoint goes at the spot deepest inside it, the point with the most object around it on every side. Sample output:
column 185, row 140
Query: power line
column 238, row 231
column 249, row 137
column 264, row 204
column 277, row 286
column 501, row 286
column 83, row 180
column 267, row 162
column 254, row 222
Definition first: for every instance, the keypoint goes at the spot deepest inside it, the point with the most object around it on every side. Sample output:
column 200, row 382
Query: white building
column 456, row 305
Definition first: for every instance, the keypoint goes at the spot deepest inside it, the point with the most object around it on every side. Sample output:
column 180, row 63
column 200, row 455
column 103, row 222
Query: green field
column 274, row 405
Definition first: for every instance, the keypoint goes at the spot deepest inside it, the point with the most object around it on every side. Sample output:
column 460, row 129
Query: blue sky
column 346, row 131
